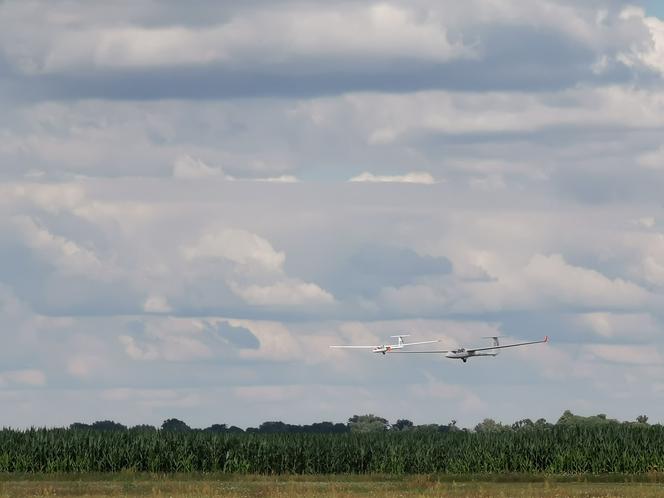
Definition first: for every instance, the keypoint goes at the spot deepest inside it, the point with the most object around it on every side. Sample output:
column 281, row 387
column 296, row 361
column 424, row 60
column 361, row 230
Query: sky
column 197, row 200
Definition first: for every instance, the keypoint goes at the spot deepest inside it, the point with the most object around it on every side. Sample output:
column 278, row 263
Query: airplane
column 463, row 354
column 386, row 348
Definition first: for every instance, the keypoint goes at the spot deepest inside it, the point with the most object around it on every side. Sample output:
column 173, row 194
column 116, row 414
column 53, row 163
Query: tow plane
column 463, row 353
column 387, row 348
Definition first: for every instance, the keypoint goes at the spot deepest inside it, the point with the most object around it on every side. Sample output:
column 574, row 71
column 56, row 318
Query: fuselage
column 458, row 354
column 463, row 355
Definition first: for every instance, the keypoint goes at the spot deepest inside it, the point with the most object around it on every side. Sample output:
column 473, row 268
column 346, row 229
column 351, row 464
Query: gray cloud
column 145, row 274
column 240, row 337
column 91, row 53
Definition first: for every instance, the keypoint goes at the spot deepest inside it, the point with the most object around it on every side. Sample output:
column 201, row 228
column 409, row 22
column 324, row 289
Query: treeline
column 571, row 446
column 359, row 423
column 175, row 425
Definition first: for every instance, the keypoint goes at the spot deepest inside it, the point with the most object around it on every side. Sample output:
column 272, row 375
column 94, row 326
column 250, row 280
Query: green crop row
column 574, row 449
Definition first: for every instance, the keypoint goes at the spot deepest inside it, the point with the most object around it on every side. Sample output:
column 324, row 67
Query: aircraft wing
column 488, row 348
column 418, row 352
column 354, row 347
column 421, row 342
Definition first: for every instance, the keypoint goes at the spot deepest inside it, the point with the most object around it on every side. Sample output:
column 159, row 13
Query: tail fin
column 400, row 338
column 495, row 342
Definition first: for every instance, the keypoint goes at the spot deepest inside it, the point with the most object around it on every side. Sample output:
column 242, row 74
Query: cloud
column 646, row 222
column 388, row 118
column 276, row 341
column 238, row 336
column 279, row 179
column 244, row 248
column 544, row 282
column 171, row 339
column 610, row 325
column 434, row 389
column 414, row 177
column 652, row 159
column 187, row 167
column 152, row 398
column 84, row 366
column 156, row 304
column 387, row 31
column 284, row 293
column 553, row 277
column 269, row 394
column 30, row 377
column 149, row 240
column 64, row 254
column 221, row 52
column 631, row 355
column 651, row 53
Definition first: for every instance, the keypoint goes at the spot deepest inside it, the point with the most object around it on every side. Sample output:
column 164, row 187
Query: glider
column 386, row 348
column 463, row 354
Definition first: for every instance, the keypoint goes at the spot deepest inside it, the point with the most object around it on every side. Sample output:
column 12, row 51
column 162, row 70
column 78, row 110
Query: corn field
column 575, row 450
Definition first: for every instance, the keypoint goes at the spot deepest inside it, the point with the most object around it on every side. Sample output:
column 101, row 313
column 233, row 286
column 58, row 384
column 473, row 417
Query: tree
column 541, row 423
column 489, row 425
column 108, row 425
column 402, row 424
column 175, row 425
column 143, row 428
column 642, row 419
column 218, row 428
column 525, row 423
column 430, row 428
column 568, row 418
column 77, row 426
column 326, row 428
column 452, row 426
column 273, row 427
column 367, row 423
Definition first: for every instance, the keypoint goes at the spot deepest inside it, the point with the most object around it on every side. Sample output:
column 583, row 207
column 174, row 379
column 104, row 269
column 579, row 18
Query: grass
column 186, row 485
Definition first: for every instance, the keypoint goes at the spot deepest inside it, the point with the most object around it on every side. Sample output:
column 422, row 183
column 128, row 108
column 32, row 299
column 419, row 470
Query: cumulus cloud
column 247, row 249
column 555, row 278
column 284, row 293
column 651, row 52
column 146, row 212
column 389, row 118
column 387, row 31
column 421, row 177
column 64, row 254
column 544, row 282
column 177, row 340
column 190, row 168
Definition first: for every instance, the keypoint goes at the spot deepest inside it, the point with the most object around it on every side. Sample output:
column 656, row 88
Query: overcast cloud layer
column 195, row 201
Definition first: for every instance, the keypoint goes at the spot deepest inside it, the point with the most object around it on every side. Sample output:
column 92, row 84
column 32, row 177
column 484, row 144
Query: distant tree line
column 363, row 424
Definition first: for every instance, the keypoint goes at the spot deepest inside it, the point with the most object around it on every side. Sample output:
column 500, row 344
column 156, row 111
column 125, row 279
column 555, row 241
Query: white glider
column 463, row 354
column 386, row 348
